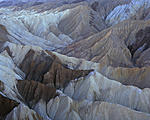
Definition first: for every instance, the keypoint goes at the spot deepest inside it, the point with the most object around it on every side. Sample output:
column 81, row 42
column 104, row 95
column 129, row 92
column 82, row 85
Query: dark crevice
column 94, row 6
column 6, row 106
column 142, row 42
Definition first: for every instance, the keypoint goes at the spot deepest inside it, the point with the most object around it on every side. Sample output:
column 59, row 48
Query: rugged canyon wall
column 75, row 60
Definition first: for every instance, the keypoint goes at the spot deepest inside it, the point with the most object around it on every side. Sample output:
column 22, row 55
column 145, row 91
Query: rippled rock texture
column 75, row 60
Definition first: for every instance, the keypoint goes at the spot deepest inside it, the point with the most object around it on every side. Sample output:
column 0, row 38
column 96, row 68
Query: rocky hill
column 75, row 60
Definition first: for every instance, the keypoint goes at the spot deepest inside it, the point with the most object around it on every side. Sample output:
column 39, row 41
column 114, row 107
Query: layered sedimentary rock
column 135, row 9
column 119, row 51
column 22, row 112
column 105, row 74
column 128, row 76
column 47, row 103
column 51, row 29
column 42, row 67
column 96, row 87
column 66, row 108
column 111, row 45
column 59, row 76
column 3, row 34
column 140, row 48
column 32, row 91
column 6, row 106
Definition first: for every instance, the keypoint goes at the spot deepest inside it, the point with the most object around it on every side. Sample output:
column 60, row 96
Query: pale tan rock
column 22, row 112
column 96, row 87
column 96, row 110
column 107, row 111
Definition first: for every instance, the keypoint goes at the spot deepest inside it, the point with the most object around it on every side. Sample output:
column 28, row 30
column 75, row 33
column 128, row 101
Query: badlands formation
column 75, row 60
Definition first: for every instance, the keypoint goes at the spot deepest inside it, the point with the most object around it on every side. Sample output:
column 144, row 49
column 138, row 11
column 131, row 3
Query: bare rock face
column 35, row 65
column 3, row 33
column 109, row 111
column 96, row 87
column 82, row 94
column 139, row 49
column 59, row 76
column 55, row 29
column 32, row 91
column 44, row 68
column 105, row 7
column 6, row 106
column 120, row 50
column 133, row 9
column 79, row 26
column 105, row 75
column 110, row 47
column 129, row 76
column 66, row 108
column 22, row 112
